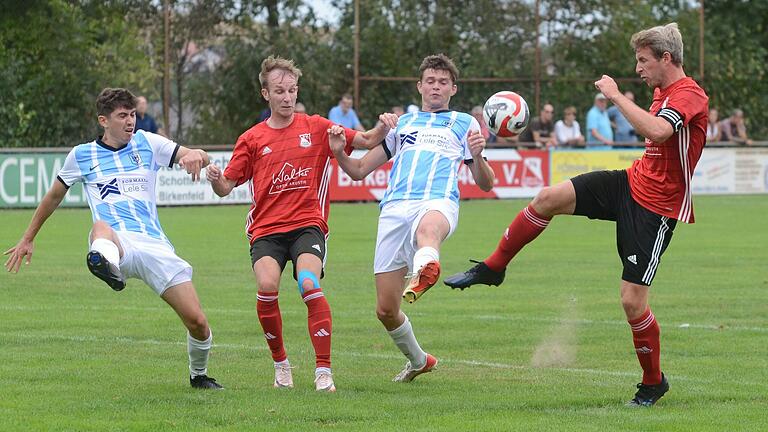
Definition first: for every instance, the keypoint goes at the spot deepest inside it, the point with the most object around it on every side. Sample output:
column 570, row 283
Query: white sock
column 283, row 363
column 108, row 249
column 320, row 370
column 406, row 341
column 198, row 354
column 423, row 256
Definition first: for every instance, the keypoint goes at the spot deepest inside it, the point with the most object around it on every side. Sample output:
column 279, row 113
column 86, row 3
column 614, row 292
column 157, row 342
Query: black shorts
column 642, row 236
column 289, row 245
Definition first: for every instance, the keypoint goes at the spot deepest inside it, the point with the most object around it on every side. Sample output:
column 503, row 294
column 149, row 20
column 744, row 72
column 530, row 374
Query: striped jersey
column 289, row 171
column 660, row 180
column 120, row 183
column 427, row 149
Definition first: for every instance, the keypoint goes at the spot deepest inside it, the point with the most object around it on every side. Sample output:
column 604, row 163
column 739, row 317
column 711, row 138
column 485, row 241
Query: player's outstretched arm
column 221, row 185
column 25, row 246
column 480, row 169
column 357, row 169
column 373, row 137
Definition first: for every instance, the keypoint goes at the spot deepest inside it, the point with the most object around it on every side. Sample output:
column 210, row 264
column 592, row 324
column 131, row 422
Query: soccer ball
column 506, row 114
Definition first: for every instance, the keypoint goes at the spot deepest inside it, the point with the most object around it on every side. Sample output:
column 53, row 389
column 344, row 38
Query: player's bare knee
column 633, row 306
column 268, row 285
column 386, row 314
column 198, row 325
column 101, row 229
column 545, row 203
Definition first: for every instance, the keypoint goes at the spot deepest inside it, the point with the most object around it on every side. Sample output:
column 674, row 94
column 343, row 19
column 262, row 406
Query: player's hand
column 607, row 87
column 17, row 253
column 476, row 144
column 389, row 120
column 212, row 173
column 337, row 139
column 192, row 162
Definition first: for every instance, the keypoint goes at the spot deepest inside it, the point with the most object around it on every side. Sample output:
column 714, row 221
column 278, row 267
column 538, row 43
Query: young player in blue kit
column 119, row 173
column 420, row 208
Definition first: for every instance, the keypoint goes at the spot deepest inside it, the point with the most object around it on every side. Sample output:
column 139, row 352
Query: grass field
column 548, row 350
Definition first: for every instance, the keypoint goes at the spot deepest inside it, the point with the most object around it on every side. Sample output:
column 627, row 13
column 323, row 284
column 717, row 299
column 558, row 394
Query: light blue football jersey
column 120, row 184
column 427, row 150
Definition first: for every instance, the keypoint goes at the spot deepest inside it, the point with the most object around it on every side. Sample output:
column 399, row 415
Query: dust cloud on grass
column 558, row 348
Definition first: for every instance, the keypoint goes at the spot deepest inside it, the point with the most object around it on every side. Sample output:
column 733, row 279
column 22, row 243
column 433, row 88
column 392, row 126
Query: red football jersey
column 661, row 180
column 289, row 171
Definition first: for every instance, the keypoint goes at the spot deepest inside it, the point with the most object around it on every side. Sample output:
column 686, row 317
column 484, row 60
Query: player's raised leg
column 103, row 258
column 319, row 320
column 267, row 272
column 432, row 229
column 529, row 223
column 183, row 299
column 389, row 287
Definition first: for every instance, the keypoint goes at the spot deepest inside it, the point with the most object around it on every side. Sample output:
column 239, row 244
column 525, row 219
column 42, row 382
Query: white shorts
column 153, row 261
column 398, row 221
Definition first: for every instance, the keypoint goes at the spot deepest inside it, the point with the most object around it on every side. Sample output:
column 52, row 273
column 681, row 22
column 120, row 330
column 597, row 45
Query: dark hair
column 111, row 99
column 439, row 62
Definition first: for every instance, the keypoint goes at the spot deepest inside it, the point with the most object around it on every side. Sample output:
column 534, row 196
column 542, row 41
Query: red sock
column 319, row 324
column 269, row 317
column 645, row 335
column 526, row 227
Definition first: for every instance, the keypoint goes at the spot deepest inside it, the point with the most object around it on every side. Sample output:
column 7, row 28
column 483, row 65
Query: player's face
column 436, row 88
column 281, row 92
column 649, row 67
column 118, row 126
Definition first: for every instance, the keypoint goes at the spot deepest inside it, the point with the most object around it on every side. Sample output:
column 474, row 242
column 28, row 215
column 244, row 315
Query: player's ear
column 265, row 94
column 103, row 121
column 454, row 89
column 418, row 85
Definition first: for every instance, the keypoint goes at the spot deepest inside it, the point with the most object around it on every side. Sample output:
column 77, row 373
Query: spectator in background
column 624, row 132
column 541, row 130
column 599, row 130
column 477, row 113
column 734, row 129
column 300, row 108
column 714, row 131
column 398, row 110
column 343, row 114
column 144, row 121
column 264, row 114
column 567, row 130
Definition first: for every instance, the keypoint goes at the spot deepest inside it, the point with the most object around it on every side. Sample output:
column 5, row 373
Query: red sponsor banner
column 519, row 174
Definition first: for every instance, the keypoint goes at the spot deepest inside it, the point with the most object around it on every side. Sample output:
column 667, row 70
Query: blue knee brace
column 306, row 274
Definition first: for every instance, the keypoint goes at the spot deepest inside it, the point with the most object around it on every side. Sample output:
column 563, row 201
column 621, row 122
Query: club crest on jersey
column 136, row 158
column 305, row 140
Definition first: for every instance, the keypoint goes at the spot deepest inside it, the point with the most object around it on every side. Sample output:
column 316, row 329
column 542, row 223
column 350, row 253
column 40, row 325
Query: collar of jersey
column 104, row 145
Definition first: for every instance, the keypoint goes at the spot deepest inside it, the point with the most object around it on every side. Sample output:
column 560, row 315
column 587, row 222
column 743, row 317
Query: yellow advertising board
column 566, row 164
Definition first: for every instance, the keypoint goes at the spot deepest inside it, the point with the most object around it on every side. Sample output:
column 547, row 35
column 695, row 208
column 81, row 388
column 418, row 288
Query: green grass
column 548, row 350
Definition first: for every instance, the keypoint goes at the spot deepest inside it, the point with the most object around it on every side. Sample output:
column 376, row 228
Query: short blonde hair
column 276, row 62
column 661, row 39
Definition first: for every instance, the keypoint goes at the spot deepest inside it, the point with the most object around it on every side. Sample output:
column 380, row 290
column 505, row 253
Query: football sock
column 320, row 370
column 198, row 354
column 406, row 341
column 268, row 311
column 107, row 248
column 645, row 335
column 527, row 226
column 423, row 256
column 319, row 324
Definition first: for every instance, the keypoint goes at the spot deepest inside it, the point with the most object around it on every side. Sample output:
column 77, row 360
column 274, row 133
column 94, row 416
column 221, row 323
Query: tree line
column 56, row 55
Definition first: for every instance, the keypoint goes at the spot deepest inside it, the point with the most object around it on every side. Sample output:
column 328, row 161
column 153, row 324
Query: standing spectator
column 567, row 130
column 599, row 130
column 398, row 110
column 144, row 121
column 300, row 108
column 624, row 132
column 343, row 114
column 285, row 159
column 542, row 128
column 734, row 129
column 264, row 114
